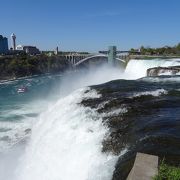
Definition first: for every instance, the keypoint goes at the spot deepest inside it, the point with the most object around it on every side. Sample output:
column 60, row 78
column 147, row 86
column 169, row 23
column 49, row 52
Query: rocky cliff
column 157, row 71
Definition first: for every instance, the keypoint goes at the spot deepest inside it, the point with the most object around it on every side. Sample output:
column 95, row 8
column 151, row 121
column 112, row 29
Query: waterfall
column 137, row 68
column 66, row 139
column 66, row 143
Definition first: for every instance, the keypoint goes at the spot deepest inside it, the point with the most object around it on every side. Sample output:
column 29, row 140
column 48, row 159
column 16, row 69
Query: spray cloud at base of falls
column 66, row 140
column 66, row 143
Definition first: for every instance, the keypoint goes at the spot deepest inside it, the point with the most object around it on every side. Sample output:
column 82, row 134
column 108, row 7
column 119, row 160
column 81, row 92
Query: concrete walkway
column 145, row 167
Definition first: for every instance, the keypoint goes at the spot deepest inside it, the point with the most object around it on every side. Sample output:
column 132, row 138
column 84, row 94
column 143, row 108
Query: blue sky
column 91, row 25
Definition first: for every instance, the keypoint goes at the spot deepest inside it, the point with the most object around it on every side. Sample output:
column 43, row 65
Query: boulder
column 157, row 71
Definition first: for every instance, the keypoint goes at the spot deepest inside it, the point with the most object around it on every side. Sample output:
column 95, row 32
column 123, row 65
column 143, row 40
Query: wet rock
column 27, row 131
column 157, row 71
column 150, row 125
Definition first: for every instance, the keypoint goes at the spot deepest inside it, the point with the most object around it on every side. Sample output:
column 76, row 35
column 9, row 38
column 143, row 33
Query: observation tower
column 13, row 37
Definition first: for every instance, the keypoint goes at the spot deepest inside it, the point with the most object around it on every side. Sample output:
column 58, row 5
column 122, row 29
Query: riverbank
column 168, row 172
column 148, row 57
column 21, row 66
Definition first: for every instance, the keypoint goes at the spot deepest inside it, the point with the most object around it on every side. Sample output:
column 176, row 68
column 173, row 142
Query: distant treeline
column 166, row 50
column 25, row 65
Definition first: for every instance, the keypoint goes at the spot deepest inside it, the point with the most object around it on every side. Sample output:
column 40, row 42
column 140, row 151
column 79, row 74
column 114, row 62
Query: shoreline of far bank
column 149, row 57
column 24, row 66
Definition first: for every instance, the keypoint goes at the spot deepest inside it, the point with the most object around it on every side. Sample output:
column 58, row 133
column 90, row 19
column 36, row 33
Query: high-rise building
column 3, row 45
column 13, row 36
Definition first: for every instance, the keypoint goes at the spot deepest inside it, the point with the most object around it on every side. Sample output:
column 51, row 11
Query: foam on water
column 172, row 79
column 12, row 132
column 115, row 112
column 66, row 143
column 155, row 93
column 15, row 123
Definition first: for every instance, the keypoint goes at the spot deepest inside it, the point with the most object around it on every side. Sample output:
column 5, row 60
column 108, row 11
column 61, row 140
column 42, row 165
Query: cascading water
column 66, row 143
column 67, row 137
column 138, row 68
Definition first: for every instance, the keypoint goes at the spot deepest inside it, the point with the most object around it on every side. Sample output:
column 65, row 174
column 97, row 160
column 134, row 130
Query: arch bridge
column 112, row 56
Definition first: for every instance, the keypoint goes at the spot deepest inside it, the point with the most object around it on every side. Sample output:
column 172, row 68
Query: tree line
column 25, row 65
column 166, row 50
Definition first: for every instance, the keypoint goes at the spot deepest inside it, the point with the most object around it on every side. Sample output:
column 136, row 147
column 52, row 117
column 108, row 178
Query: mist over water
column 96, row 76
column 65, row 141
column 62, row 132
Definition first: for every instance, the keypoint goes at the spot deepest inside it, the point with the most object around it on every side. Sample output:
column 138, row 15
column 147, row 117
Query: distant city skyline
column 91, row 25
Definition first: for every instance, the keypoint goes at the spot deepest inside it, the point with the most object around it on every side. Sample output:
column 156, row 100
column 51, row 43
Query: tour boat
column 22, row 90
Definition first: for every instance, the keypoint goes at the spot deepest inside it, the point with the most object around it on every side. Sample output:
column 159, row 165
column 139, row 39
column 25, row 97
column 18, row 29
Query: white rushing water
column 66, row 139
column 66, row 143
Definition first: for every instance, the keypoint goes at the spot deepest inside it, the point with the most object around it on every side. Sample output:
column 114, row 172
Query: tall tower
column 13, row 36
column 112, row 55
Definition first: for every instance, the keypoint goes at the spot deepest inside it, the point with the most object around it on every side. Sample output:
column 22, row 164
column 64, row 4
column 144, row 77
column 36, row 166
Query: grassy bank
column 167, row 172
